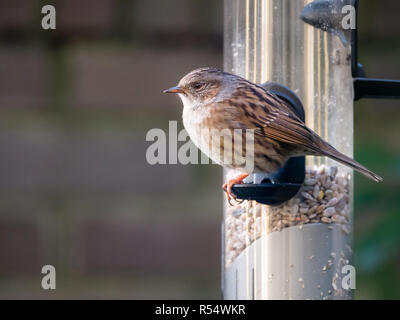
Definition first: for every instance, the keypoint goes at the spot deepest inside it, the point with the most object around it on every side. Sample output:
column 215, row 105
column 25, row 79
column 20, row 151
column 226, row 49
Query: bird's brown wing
column 274, row 119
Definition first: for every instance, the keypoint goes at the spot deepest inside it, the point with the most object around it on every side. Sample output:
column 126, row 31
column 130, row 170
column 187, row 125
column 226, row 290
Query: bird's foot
column 228, row 188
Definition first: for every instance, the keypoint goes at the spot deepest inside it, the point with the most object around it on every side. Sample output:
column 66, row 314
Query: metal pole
column 295, row 250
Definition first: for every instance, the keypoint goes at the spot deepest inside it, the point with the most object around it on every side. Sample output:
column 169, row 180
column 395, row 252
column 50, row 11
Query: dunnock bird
column 217, row 100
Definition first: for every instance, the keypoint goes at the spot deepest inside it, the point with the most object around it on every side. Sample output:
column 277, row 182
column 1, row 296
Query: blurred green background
column 75, row 188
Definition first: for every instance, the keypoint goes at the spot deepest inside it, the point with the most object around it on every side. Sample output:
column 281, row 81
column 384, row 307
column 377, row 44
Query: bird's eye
column 198, row 85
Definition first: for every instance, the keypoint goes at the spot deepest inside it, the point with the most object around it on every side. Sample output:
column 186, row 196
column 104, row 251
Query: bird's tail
column 331, row 152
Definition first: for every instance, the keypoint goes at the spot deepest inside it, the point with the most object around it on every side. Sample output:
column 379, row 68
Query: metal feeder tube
column 296, row 249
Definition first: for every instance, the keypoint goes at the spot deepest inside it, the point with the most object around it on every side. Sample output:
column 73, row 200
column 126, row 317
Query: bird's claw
column 233, row 197
column 228, row 189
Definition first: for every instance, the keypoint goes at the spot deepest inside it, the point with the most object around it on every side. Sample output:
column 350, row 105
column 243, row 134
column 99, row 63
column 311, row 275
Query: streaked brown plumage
column 214, row 99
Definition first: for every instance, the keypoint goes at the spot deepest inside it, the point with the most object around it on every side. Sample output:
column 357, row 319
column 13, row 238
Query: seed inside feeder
column 324, row 198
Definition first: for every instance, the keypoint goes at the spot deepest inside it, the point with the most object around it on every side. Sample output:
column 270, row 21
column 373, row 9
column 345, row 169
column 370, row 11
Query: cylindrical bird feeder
column 296, row 249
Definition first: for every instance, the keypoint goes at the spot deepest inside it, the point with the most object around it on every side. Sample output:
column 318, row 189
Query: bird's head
column 200, row 87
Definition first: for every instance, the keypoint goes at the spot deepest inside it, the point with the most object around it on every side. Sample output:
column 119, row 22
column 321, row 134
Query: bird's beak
column 176, row 89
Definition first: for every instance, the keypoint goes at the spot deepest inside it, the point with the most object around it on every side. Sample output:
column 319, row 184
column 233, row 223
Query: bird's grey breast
column 195, row 121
